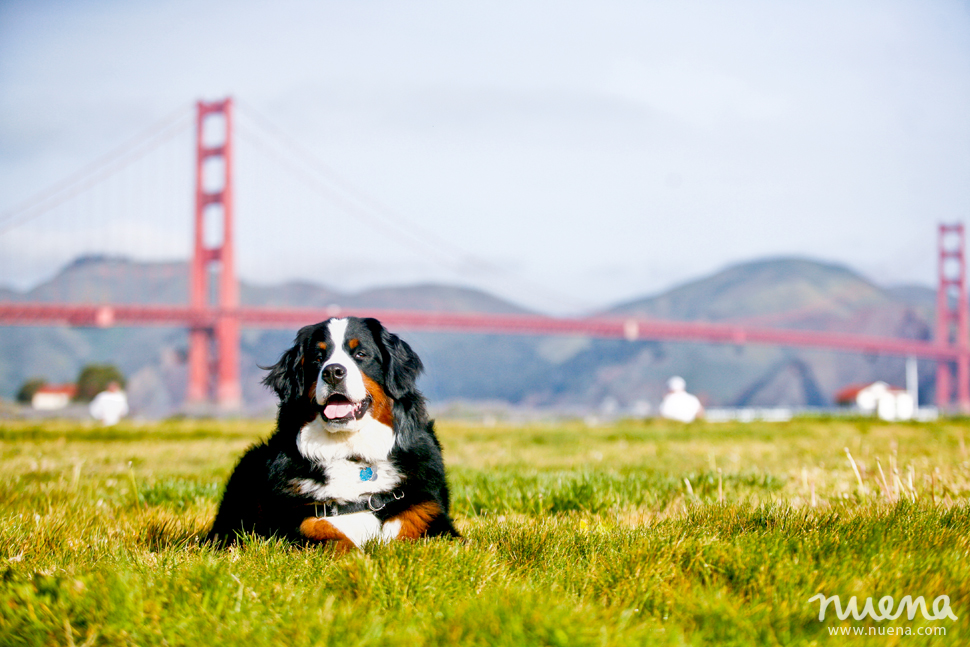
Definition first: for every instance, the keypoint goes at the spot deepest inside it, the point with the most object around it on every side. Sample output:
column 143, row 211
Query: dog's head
column 346, row 371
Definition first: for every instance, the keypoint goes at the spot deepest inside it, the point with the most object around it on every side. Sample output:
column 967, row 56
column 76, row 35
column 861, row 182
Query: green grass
column 576, row 535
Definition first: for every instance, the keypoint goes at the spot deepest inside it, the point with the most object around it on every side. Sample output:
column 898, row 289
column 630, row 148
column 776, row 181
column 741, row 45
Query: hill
column 784, row 292
column 563, row 372
column 787, row 292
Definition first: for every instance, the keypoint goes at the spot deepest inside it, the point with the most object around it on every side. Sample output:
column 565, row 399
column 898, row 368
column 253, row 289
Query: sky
column 565, row 155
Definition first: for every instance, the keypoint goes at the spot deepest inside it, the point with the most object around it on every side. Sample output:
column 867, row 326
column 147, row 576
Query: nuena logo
column 941, row 608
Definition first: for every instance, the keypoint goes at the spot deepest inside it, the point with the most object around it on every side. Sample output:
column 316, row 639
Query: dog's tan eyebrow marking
column 353, row 343
column 322, row 345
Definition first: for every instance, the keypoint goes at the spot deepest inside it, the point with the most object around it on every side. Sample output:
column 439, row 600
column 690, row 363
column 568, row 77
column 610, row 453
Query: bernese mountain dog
column 354, row 457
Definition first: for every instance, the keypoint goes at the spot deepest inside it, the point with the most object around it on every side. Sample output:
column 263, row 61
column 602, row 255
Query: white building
column 53, row 396
column 887, row 402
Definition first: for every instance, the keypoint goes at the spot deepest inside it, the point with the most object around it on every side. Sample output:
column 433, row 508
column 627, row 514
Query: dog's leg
column 412, row 523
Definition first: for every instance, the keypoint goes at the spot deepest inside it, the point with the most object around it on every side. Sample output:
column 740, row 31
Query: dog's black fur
column 260, row 497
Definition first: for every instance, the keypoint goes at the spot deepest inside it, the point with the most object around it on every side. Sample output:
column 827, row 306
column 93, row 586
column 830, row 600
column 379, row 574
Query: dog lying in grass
column 354, row 457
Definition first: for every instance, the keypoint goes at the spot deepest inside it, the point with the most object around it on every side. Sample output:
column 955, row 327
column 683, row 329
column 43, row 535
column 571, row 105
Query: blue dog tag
column 367, row 474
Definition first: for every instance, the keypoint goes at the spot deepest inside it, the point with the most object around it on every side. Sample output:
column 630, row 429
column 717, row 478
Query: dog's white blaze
column 359, row 527
column 354, row 381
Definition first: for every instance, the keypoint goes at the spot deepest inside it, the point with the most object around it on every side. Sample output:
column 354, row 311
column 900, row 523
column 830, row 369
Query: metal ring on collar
column 370, row 504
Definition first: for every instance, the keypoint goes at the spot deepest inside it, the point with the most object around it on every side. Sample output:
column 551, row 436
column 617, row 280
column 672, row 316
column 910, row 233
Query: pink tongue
column 332, row 411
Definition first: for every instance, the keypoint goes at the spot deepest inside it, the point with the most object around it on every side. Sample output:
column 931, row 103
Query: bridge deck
column 630, row 328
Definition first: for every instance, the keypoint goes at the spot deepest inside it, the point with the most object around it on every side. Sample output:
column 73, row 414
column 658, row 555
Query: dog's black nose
column 333, row 374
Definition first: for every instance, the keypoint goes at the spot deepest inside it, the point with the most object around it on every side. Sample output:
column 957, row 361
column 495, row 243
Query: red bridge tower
column 214, row 349
column 953, row 318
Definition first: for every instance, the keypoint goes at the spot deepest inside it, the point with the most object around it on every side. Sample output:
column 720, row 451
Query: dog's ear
column 286, row 376
column 401, row 364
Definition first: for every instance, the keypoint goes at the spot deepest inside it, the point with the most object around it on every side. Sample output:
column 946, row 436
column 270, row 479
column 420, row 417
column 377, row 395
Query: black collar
column 370, row 503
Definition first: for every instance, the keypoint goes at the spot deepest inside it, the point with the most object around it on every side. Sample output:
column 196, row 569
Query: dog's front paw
column 355, row 529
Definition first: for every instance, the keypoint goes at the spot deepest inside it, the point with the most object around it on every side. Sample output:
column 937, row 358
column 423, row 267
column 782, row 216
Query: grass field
column 635, row 533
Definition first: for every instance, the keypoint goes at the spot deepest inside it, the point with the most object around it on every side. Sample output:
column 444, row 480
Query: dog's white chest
column 355, row 462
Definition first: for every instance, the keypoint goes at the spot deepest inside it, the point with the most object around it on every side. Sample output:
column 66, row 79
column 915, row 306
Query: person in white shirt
column 678, row 404
column 110, row 405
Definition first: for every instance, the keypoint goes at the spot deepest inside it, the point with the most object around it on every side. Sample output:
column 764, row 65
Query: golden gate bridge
column 214, row 316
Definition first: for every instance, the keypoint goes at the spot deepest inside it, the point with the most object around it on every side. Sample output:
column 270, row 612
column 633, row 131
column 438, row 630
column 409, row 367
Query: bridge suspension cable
column 326, row 182
column 348, row 206
column 98, row 170
column 367, row 207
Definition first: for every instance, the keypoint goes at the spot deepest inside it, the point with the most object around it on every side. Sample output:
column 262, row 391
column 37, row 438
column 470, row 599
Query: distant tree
column 95, row 378
column 29, row 388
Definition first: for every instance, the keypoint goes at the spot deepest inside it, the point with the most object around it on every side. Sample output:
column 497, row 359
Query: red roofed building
column 887, row 402
column 53, row 396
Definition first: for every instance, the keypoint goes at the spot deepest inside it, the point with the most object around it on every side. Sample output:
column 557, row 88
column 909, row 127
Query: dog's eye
column 360, row 355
